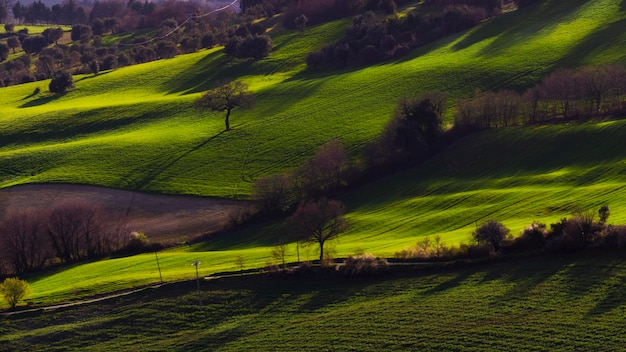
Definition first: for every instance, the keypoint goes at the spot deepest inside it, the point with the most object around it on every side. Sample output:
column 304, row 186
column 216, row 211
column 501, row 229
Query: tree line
column 565, row 94
column 70, row 231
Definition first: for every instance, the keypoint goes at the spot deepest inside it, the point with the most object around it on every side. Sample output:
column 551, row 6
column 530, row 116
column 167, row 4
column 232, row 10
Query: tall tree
column 319, row 221
column 225, row 98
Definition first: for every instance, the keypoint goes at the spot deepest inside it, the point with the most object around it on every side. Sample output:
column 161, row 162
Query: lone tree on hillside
column 226, row 97
column 61, row 82
column 492, row 233
column 14, row 290
column 318, row 221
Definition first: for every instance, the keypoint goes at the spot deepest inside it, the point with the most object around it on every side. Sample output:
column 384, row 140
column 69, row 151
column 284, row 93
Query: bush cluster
column 568, row 235
column 373, row 38
column 363, row 265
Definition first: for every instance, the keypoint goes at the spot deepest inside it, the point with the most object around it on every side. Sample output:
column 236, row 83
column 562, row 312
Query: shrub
column 303, row 268
column 61, row 82
column 615, row 237
column 138, row 242
column 364, row 265
column 14, row 290
column 532, row 237
column 491, row 233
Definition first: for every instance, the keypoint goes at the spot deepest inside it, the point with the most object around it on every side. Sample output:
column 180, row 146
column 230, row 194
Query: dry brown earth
column 163, row 218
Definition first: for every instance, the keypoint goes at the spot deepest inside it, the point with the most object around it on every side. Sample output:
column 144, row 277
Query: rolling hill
column 135, row 128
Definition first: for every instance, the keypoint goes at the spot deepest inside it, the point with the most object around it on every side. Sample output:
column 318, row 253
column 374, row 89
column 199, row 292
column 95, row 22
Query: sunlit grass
column 136, row 128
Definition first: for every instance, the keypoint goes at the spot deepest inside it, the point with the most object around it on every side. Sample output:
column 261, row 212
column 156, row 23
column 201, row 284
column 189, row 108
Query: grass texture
column 539, row 304
column 135, row 128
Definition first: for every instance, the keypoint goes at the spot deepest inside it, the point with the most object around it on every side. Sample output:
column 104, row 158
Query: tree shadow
column 512, row 28
column 40, row 101
column 52, row 130
column 457, row 280
column 156, row 170
column 603, row 40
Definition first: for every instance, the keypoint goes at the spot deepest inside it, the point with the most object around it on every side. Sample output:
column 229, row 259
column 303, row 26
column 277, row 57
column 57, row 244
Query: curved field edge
column 571, row 302
column 523, row 174
column 135, row 128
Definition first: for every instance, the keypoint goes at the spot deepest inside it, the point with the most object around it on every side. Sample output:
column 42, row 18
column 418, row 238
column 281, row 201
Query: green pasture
column 34, row 28
column 574, row 302
column 124, row 117
column 135, row 128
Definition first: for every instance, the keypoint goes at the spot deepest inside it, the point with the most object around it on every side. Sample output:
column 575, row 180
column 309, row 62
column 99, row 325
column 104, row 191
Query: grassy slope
column 128, row 129
column 539, row 304
column 146, row 139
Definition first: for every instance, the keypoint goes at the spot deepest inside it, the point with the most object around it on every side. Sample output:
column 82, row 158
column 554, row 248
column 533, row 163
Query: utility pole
column 196, row 263
column 159, row 267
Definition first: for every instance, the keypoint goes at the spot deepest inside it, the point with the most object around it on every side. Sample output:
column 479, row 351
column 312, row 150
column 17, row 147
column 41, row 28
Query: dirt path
column 163, row 218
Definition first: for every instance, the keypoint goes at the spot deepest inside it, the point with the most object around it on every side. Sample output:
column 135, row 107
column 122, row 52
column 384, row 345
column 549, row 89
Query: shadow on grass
column 82, row 123
column 156, row 169
column 512, row 28
column 40, row 101
column 601, row 41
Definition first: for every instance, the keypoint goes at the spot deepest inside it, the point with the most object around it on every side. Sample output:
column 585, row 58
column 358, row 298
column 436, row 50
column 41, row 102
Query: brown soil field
column 163, row 218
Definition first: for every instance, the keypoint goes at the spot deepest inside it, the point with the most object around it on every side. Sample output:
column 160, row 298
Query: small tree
column 61, row 82
column 226, row 97
column 14, row 290
column 319, row 221
column 492, row 233
column 240, row 261
column 604, row 212
column 279, row 252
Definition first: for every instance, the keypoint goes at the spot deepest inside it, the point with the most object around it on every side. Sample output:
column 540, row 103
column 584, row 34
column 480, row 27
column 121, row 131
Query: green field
column 135, row 128
column 139, row 125
column 538, row 304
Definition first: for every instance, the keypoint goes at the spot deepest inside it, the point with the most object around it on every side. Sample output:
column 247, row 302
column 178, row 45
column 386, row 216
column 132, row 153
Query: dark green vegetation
column 574, row 302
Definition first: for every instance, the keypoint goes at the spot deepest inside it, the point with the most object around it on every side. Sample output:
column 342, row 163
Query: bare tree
column 226, row 97
column 319, row 221
column 23, row 239
column 75, row 230
column 324, row 172
column 279, row 252
column 272, row 193
column 240, row 261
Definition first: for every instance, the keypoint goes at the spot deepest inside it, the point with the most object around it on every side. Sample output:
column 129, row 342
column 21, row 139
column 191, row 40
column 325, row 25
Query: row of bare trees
column 565, row 94
column 69, row 231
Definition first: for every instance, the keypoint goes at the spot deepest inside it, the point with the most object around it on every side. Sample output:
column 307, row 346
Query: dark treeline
column 565, row 94
column 70, row 231
column 373, row 37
